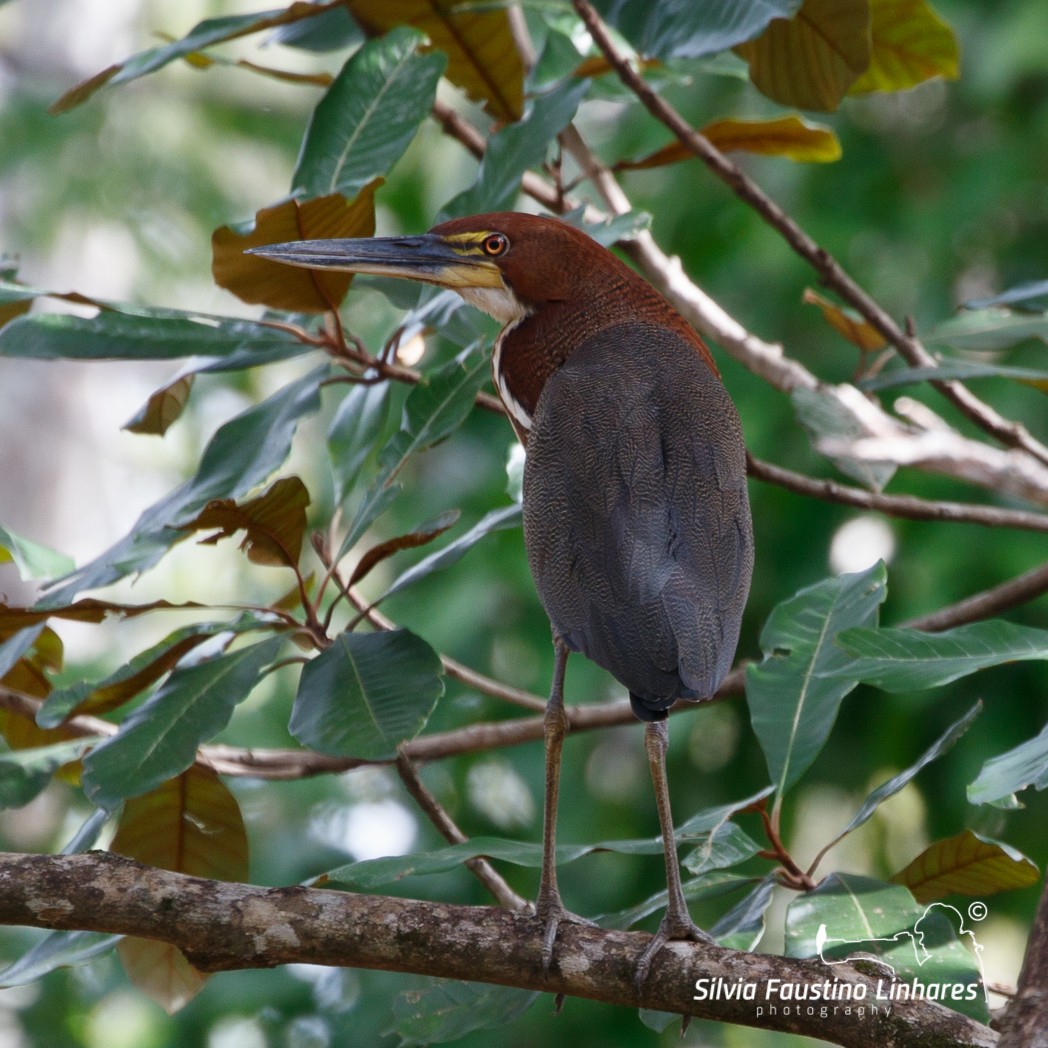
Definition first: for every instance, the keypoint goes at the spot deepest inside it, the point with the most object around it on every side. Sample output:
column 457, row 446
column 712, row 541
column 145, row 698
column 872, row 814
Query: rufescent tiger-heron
column 636, row 519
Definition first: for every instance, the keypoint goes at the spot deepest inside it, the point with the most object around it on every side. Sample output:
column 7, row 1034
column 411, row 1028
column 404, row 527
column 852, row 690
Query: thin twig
column 1000, row 598
column 437, row 814
column 907, row 506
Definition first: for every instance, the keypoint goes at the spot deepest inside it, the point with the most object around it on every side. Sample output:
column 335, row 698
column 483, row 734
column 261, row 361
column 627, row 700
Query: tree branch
column 1025, row 1022
column 766, row 360
column 907, row 506
column 222, row 926
column 832, row 274
column 286, row 764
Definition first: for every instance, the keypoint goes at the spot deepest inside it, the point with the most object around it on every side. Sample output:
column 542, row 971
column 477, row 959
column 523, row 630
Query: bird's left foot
column 553, row 914
column 674, row 928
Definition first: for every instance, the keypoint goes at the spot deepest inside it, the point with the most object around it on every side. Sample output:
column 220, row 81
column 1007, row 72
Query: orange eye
column 495, row 245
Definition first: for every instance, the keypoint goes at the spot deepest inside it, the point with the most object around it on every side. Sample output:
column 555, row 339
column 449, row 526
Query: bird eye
column 495, row 245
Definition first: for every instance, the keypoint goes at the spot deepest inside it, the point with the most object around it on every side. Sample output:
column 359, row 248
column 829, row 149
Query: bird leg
column 677, row 923
column 548, row 906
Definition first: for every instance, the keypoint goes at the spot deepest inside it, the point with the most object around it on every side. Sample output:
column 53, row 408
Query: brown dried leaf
column 261, row 281
column 90, row 609
column 911, row 44
column 162, row 409
column 274, row 522
column 191, row 824
column 410, row 541
column 787, row 136
column 483, row 58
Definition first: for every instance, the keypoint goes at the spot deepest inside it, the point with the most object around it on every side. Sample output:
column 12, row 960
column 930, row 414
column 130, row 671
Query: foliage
column 357, row 480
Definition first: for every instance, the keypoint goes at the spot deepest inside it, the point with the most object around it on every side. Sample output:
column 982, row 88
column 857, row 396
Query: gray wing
column 636, row 519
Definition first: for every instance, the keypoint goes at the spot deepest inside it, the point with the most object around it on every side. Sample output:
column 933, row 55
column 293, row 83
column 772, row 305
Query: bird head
column 507, row 264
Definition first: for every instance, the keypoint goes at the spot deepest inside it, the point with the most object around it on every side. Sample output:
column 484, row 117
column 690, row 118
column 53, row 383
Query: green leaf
column 369, row 874
column 333, row 30
column 354, row 430
column 710, row 885
column 242, row 454
column 368, row 116
column 515, row 149
column 16, row 644
column 710, row 818
column 794, row 693
column 909, row 660
column 434, row 409
column 725, row 846
column 683, row 29
column 967, row 864
column 205, row 34
column 824, row 416
column 24, row 773
column 742, row 927
column 142, row 671
column 496, row 520
column 448, row 1010
column 366, row 694
column 1009, row 773
column 983, row 330
column 160, row 739
column 963, row 370
column 57, row 950
column 888, row 789
column 848, row 914
column 126, row 336
column 32, row 560
column 1031, row 293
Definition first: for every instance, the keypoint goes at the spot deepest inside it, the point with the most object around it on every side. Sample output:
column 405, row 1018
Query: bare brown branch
column 1025, row 1022
column 907, row 506
column 437, row 814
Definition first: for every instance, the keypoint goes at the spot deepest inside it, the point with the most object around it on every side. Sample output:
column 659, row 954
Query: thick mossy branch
column 222, row 926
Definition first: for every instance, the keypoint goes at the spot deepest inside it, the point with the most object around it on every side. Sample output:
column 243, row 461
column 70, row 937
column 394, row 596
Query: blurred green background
column 941, row 196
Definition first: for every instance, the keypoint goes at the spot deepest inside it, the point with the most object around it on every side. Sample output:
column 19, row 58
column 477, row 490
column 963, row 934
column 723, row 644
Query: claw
column 553, row 914
column 672, row 929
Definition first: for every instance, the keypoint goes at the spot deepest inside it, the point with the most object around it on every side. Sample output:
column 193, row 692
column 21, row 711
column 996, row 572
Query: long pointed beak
column 428, row 258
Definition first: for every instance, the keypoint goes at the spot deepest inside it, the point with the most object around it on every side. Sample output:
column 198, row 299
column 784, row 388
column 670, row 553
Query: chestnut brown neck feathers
column 563, row 288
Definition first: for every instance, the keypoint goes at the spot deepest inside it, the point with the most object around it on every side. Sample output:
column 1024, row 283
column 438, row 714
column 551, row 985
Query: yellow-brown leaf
column 911, row 43
column 263, row 282
column 966, row 865
column 483, row 58
column 812, row 59
column 787, row 136
column 852, row 327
